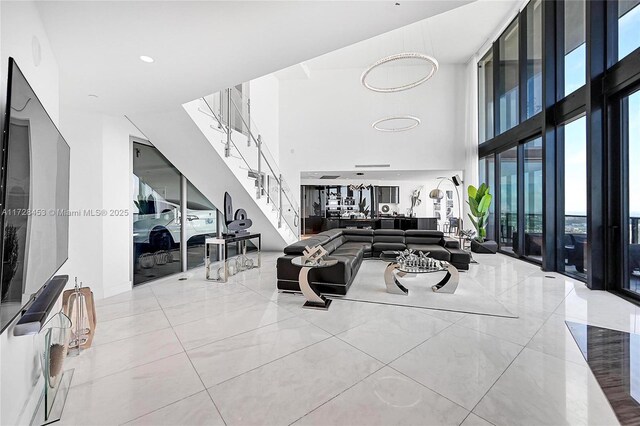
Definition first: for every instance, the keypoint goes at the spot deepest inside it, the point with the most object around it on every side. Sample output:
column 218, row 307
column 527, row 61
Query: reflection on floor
column 614, row 358
column 196, row 352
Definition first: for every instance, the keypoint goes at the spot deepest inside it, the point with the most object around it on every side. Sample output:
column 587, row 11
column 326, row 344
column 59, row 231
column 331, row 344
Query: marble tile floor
column 197, row 352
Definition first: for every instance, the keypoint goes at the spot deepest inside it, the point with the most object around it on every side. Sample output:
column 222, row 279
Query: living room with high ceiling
column 320, row 212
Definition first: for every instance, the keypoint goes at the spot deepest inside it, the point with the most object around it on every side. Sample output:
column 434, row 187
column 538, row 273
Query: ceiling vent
column 362, row 166
column 329, row 177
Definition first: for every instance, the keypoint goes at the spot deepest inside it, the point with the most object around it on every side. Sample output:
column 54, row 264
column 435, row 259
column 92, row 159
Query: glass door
column 630, row 115
column 533, row 203
column 508, row 201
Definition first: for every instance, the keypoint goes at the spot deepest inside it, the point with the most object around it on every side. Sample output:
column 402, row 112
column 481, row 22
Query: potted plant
column 479, row 203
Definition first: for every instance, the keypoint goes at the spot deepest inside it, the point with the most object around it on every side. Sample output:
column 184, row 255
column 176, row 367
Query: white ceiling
column 200, row 47
column 452, row 37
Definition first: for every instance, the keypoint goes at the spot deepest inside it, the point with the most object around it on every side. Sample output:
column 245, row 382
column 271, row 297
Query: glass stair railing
column 241, row 145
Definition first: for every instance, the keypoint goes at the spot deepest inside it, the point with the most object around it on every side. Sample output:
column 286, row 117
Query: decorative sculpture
column 78, row 305
column 409, row 259
column 313, row 255
column 237, row 223
column 415, row 200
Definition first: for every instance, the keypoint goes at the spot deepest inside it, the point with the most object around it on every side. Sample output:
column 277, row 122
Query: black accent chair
column 351, row 246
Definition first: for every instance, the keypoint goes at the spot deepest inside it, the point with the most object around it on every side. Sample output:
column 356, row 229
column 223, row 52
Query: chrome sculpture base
column 393, row 285
column 449, row 283
column 314, row 299
column 319, row 306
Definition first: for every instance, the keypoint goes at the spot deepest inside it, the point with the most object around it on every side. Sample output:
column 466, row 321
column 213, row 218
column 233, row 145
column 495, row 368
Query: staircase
column 237, row 141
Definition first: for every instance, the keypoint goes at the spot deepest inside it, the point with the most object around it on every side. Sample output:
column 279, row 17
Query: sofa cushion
column 424, row 233
column 365, row 235
column 331, row 246
column 382, row 246
column 378, row 232
column 299, row 246
column 451, row 243
column 360, row 232
column 423, row 240
column 340, row 273
column 459, row 256
column 332, row 234
column 435, row 251
column 423, row 237
column 366, row 246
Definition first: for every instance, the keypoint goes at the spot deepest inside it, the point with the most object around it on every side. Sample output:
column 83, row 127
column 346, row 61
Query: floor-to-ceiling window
column 628, row 27
column 508, row 165
column 574, row 229
column 534, row 58
column 508, row 96
column 575, row 51
column 631, row 138
column 201, row 223
column 533, row 203
column 485, row 97
column 566, row 190
column 487, row 167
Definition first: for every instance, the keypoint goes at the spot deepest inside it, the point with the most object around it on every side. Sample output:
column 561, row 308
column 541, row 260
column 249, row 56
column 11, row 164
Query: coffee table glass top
column 421, row 269
column 299, row 261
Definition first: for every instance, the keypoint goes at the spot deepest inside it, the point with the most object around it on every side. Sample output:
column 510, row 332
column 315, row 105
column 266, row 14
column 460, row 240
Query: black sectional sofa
column 351, row 246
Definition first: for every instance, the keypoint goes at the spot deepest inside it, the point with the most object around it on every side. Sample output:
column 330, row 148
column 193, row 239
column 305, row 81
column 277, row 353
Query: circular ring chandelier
column 398, row 57
column 416, row 123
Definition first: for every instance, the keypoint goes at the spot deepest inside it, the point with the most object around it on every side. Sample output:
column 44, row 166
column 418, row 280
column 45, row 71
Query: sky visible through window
column 575, row 69
column 629, row 32
column 634, row 155
column 575, row 171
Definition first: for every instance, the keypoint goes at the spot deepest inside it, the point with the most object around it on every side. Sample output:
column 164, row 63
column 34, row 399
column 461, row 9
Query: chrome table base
column 448, row 284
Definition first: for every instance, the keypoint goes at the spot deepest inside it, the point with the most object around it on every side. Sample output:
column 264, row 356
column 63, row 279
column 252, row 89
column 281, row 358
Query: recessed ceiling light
column 91, row 95
column 147, row 59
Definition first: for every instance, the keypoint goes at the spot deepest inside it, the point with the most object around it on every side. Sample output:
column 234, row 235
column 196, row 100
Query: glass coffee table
column 314, row 299
column 394, row 270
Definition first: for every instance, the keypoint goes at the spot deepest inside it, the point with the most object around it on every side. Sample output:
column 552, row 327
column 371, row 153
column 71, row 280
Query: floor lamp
column 437, row 194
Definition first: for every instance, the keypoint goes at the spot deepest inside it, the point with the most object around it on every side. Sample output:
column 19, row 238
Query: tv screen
column 34, row 194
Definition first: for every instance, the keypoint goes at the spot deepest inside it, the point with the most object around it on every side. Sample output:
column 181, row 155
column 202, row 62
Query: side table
column 314, row 299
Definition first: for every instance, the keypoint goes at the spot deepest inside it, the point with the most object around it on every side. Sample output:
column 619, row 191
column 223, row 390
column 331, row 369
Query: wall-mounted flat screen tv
column 34, row 192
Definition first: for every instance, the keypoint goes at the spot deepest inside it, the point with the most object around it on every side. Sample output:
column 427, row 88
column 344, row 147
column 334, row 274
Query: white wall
column 325, row 123
column 264, row 93
column 20, row 30
column 327, row 119
column 99, row 248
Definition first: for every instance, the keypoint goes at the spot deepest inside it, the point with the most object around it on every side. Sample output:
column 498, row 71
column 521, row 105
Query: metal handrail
column 258, row 142
column 229, row 140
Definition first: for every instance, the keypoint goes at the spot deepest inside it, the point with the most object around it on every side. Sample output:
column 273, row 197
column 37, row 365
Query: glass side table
column 314, row 299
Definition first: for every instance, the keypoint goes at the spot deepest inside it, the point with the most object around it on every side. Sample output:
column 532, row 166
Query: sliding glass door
column 533, row 235
column 573, row 253
column 630, row 108
column 159, row 198
column 508, row 204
